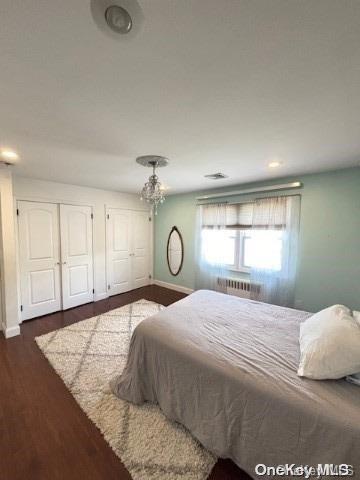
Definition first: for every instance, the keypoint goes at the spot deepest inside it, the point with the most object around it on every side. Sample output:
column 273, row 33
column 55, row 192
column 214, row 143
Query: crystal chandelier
column 153, row 191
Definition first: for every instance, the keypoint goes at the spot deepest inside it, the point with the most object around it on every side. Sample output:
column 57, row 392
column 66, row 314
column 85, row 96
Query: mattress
column 225, row 368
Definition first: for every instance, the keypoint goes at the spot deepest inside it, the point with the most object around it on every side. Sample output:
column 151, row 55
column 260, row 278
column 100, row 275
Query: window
column 246, row 235
column 263, row 249
column 240, row 250
column 218, row 246
column 258, row 237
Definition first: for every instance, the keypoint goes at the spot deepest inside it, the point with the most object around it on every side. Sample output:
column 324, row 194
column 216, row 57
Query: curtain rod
column 283, row 186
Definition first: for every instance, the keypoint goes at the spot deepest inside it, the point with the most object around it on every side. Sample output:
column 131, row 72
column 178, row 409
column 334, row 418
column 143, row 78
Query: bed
column 225, row 368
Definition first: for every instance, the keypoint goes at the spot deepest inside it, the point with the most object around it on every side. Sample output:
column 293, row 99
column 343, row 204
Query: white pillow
column 356, row 377
column 330, row 344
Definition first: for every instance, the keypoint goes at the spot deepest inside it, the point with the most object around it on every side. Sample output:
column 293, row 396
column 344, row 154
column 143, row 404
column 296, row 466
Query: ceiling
column 216, row 86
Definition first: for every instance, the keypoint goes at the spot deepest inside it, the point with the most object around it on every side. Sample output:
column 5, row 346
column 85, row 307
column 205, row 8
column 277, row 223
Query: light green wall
column 329, row 254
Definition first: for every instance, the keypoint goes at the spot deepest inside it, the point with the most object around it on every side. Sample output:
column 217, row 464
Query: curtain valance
column 236, row 215
column 241, row 215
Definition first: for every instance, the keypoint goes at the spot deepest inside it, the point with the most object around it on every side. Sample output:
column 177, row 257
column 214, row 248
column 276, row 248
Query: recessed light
column 8, row 155
column 274, row 164
column 118, row 19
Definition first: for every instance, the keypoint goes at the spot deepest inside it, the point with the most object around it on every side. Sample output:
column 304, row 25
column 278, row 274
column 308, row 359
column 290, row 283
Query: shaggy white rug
column 87, row 355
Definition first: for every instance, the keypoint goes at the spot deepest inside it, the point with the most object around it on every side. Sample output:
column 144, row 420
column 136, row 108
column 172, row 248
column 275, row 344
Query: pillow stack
column 330, row 345
column 354, row 378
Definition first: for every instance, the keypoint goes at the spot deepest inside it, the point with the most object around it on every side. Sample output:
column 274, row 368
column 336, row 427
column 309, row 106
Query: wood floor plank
column 44, row 434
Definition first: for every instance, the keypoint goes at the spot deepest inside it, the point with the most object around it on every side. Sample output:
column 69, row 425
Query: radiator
column 239, row 288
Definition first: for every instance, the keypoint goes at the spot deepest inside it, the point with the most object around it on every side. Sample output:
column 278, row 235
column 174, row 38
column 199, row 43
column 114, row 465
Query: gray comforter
column 225, row 368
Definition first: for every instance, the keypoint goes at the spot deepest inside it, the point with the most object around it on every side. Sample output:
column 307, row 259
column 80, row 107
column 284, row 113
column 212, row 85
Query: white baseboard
column 12, row 331
column 172, row 286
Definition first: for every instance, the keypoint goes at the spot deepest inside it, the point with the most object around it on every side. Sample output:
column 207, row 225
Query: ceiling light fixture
column 274, row 164
column 153, row 191
column 118, row 19
column 8, row 155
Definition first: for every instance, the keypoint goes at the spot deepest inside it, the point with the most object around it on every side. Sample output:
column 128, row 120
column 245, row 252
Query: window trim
column 239, row 253
column 243, row 234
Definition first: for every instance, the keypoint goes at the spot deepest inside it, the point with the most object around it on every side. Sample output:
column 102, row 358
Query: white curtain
column 210, row 254
column 274, row 237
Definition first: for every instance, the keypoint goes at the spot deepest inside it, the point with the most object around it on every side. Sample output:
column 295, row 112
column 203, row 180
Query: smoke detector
column 118, row 19
column 216, row 176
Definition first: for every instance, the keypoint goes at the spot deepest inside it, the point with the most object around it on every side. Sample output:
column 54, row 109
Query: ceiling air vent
column 216, row 176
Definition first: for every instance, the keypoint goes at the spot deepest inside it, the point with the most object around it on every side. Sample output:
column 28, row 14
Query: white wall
column 38, row 190
column 9, row 294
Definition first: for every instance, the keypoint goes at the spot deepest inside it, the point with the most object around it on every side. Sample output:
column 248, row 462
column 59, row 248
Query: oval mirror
column 175, row 251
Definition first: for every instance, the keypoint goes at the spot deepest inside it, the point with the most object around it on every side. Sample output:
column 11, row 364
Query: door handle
column 57, row 263
column 64, row 263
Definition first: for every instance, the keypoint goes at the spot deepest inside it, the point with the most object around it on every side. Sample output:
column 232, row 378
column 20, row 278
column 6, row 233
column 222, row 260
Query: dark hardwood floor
column 44, row 435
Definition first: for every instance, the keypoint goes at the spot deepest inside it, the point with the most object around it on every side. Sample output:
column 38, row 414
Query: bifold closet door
column 118, row 250
column 39, row 258
column 76, row 255
column 128, row 250
column 141, row 249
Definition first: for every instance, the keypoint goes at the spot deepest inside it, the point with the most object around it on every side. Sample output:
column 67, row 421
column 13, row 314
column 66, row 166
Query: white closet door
column 140, row 249
column 118, row 240
column 76, row 255
column 39, row 256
